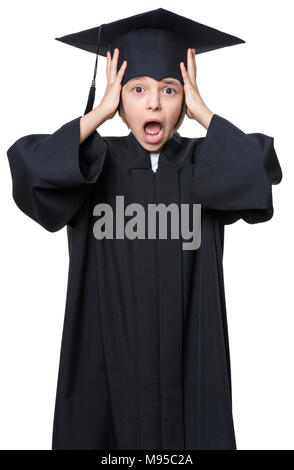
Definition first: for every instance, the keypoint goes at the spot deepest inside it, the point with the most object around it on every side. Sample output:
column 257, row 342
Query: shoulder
column 187, row 140
column 189, row 146
column 113, row 143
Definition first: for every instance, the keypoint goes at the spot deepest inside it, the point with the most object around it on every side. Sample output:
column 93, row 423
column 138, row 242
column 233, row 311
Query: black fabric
column 234, row 173
column 50, row 179
column 154, row 42
column 145, row 361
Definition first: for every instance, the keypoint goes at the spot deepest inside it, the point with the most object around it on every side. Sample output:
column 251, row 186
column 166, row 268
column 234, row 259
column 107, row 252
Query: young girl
column 145, row 353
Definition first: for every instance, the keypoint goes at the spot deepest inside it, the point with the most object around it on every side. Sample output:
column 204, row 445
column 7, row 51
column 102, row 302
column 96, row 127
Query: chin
column 153, row 147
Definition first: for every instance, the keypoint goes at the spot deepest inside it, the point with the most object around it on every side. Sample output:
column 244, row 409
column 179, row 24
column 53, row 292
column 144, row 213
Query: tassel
column 91, row 98
column 92, row 91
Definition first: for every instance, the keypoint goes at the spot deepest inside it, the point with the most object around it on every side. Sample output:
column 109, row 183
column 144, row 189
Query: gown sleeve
column 52, row 174
column 234, row 172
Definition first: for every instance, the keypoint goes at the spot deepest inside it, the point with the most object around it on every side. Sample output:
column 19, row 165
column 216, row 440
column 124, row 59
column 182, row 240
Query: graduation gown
column 144, row 360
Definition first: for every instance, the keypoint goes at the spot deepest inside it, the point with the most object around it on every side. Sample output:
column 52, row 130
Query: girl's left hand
column 192, row 95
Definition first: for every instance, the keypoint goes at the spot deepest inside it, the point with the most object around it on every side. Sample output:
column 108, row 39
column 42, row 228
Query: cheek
column 134, row 107
column 133, row 114
column 174, row 110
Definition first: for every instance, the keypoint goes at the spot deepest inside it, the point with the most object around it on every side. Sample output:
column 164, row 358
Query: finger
column 121, row 71
column 113, row 69
column 185, row 74
column 195, row 66
column 189, row 60
column 194, row 58
column 191, row 65
column 108, row 59
column 192, row 55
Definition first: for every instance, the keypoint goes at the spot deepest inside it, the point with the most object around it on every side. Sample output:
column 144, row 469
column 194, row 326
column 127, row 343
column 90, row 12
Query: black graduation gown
column 144, row 358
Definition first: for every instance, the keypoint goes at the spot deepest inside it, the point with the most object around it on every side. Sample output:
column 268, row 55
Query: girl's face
column 146, row 99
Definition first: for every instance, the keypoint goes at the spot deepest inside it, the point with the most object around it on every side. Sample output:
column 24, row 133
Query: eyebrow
column 169, row 81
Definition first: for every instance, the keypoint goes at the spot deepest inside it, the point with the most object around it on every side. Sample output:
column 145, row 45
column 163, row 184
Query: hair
column 176, row 127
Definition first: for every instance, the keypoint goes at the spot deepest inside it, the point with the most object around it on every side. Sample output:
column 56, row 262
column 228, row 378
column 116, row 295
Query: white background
column 44, row 84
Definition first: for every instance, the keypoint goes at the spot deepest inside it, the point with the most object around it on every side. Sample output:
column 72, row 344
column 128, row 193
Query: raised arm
column 234, row 172
column 53, row 174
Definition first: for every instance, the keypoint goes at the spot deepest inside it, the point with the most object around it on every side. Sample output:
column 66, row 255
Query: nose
column 153, row 101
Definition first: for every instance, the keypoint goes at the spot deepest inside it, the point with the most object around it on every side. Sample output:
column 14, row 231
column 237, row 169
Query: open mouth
column 153, row 131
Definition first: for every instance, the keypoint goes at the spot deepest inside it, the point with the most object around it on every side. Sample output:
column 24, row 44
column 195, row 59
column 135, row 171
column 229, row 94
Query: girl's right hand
column 110, row 100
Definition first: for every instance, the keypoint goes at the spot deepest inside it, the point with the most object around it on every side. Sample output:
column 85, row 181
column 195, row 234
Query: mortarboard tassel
column 91, row 97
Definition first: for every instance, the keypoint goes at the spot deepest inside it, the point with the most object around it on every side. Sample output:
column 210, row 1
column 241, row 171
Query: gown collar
column 169, row 153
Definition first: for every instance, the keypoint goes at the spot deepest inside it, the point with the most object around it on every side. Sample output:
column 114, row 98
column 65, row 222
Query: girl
column 145, row 353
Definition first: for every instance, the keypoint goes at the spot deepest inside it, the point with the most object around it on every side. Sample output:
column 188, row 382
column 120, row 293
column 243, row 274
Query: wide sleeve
column 52, row 174
column 233, row 173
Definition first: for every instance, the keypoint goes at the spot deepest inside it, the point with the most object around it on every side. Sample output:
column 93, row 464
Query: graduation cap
column 153, row 43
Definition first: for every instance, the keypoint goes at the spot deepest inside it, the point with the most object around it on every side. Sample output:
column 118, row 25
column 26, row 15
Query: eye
column 169, row 88
column 136, row 87
column 141, row 88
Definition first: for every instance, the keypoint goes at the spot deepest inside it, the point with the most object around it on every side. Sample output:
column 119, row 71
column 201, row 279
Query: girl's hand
column 196, row 108
column 110, row 100
column 193, row 98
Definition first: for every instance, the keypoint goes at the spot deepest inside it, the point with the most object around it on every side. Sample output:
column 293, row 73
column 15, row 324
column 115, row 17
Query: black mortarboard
column 153, row 43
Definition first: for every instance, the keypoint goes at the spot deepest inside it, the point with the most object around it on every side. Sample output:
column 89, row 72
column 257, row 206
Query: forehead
column 165, row 80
